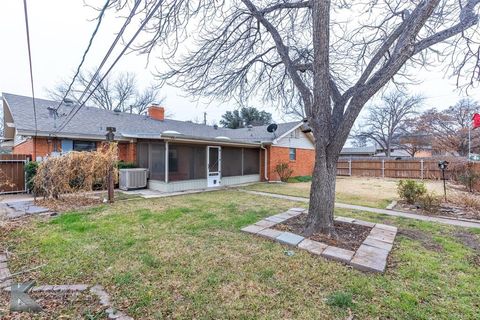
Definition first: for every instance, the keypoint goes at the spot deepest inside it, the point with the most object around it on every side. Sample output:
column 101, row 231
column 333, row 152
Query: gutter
column 265, row 169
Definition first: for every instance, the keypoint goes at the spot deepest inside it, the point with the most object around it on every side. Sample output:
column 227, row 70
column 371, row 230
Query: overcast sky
column 60, row 31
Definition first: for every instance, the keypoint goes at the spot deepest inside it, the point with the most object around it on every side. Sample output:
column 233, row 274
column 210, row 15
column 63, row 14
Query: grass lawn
column 363, row 191
column 184, row 257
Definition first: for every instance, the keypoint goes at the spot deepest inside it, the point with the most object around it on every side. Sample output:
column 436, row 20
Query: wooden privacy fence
column 12, row 173
column 386, row 168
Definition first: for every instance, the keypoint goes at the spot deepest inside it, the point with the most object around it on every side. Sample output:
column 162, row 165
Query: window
column 293, row 154
column 251, row 161
column 79, row 145
column 231, row 162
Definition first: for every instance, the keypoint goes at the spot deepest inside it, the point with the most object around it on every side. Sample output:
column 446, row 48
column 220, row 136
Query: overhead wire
column 144, row 23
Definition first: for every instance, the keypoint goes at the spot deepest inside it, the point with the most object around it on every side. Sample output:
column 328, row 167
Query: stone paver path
column 371, row 255
column 452, row 222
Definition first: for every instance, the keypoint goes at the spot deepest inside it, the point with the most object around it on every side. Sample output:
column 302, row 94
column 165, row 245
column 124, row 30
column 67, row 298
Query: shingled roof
column 91, row 122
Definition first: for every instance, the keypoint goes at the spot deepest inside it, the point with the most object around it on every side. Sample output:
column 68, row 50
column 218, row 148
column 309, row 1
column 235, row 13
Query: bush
column 465, row 173
column 30, row 172
column 75, row 172
column 410, row 190
column 300, row 179
column 429, row 202
column 125, row 165
column 284, row 171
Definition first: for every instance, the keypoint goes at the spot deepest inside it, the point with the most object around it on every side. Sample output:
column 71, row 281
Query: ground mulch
column 349, row 236
column 68, row 203
column 56, row 305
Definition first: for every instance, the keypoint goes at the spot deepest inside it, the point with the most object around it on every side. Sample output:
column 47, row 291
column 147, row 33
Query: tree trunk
column 322, row 194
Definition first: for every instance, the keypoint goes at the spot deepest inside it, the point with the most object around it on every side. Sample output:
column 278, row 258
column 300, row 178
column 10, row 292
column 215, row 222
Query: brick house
column 180, row 155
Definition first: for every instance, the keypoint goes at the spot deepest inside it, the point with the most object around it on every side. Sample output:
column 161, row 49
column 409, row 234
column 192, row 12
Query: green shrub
column 429, row 202
column 300, row 179
column 410, row 190
column 125, row 165
column 30, row 172
column 284, row 171
column 340, row 300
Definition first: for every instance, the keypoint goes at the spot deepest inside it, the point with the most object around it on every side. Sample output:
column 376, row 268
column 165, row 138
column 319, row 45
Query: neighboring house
column 372, row 151
column 179, row 155
column 349, row 152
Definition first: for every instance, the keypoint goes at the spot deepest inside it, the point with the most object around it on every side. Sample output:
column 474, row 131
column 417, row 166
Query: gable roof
column 91, row 122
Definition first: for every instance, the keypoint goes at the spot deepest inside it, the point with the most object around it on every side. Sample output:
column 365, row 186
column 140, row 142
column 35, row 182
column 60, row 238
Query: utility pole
column 110, row 181
column 205, row 118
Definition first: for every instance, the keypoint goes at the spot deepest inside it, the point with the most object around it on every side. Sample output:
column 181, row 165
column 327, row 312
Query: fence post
column 383, row 168
column 350, row 167
column 421, row 169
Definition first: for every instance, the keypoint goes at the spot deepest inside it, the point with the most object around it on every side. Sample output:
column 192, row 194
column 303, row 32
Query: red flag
column 476, row 120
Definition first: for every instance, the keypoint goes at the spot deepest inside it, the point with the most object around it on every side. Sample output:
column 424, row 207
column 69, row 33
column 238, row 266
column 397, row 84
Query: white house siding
column 296, row 139
column 186, row 185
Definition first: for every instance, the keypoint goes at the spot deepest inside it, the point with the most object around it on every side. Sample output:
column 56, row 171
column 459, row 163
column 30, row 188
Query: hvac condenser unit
column 133, row 179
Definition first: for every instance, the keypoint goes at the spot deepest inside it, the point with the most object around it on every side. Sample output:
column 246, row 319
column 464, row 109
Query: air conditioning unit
column 133, row 179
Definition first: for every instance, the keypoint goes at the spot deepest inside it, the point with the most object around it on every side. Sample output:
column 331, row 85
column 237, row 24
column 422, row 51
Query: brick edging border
column 96, row 290
column 370, row 256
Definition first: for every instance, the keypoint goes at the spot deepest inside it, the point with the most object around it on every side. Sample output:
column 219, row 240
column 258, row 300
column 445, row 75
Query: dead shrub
column 75, row 172
column 464, row 172
column 467, row 200
column 429, row 202
column 283, row 171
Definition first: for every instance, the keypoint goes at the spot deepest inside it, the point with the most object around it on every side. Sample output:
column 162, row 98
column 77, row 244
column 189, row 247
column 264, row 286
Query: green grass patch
column 185, row 257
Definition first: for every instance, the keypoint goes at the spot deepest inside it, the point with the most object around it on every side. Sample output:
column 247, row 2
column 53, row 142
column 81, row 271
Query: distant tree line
column 397, row 123
column 244, row 117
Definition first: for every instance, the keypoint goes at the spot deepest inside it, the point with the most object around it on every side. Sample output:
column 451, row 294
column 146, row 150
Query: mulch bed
column 68, row 203
column 350, row 236
column 444, row 209
column 56, row 305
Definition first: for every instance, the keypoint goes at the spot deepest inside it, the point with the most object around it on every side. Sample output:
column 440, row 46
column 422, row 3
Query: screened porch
column 181, row 166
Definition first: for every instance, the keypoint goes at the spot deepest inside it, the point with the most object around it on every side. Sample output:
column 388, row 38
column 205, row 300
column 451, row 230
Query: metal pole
column 166, row 161
column 444, row 185
column 383, row 168
column 469, row 140
column 421, row 169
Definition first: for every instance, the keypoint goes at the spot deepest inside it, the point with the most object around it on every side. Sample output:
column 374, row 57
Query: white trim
column 275, row 141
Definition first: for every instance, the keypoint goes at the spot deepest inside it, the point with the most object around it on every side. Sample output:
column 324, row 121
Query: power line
column 100, row 17
column 31, row 77
column 149, row 16
column 107, row 55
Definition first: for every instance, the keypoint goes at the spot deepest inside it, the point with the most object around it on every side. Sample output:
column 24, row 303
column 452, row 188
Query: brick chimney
column 156, row 112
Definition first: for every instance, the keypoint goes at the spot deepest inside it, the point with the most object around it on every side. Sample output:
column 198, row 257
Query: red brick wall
column 302, row 166
column 43, row 147
column 126, row 151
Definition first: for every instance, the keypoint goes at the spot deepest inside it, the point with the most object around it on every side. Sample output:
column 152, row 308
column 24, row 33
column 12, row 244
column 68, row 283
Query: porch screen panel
column 231, row 162
column 186, row 162
column 157, row 161
column 251, row 161
column 142, row 155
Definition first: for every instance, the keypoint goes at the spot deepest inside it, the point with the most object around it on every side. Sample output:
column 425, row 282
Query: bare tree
column 113, row 93
column 414, row 138
column 448, row 129
column 386, row 122
column 331, row 57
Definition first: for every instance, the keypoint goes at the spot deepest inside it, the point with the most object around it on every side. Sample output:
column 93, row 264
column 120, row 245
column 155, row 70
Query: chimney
column 156, row 112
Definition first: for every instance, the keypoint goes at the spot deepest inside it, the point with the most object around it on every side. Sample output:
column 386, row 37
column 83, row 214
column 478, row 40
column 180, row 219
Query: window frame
column 294, row 154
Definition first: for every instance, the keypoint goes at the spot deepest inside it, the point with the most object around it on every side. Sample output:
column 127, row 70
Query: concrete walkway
column 452, row 222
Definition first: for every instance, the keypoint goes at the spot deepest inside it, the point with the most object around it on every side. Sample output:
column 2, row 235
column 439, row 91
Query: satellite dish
column 272, row 127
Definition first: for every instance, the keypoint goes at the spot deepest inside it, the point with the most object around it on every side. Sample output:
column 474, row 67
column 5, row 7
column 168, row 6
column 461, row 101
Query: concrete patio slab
column 312, row 246
column 386, row 227
column 252, row 229
column 372, row 242
column 338, row 254
column 289, row 238
column 370, row 259
column 382, row 235
column 269, row 233
column 364, row 223
column 265, row 223
column 275, row 219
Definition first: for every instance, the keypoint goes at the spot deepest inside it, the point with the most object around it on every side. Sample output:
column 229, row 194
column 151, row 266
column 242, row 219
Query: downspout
column 265, row 171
